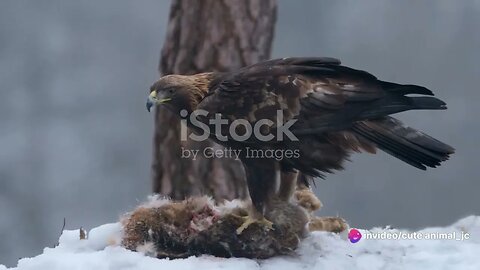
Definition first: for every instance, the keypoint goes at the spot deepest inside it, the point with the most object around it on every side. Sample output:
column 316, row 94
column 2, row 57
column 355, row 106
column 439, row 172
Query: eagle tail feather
column 427, row 103
column 405, row 89
column 396, row 104
column 407, row 144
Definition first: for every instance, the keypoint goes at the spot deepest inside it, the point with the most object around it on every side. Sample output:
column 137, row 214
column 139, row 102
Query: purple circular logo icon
column 354, row 235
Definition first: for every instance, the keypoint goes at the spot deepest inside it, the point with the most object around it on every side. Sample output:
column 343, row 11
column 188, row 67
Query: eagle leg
column 262, row 183
column 288, row 184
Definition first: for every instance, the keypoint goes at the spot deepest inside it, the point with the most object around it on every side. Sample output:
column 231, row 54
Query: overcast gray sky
column 75, row 140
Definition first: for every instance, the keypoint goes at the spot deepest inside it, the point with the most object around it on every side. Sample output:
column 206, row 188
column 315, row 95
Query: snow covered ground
column 320, row 250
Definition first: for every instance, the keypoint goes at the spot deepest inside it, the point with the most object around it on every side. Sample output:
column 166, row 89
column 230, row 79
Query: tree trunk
column 206, row 35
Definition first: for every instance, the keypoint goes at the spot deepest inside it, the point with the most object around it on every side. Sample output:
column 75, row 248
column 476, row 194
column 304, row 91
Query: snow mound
column 320, row 250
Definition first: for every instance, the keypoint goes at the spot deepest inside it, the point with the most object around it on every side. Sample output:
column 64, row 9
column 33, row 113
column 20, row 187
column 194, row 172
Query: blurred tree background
column 203, row 36
column 76, row 141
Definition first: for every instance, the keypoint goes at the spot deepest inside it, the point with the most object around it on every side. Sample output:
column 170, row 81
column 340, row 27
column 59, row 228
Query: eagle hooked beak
column 154, row 100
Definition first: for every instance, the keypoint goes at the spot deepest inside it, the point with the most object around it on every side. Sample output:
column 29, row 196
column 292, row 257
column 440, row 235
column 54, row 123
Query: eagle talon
column 249, row 221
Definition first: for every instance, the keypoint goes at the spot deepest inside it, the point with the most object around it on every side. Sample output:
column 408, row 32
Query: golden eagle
column 325, row 110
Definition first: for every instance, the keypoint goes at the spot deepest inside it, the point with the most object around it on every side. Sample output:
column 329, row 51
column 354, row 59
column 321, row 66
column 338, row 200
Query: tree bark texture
column 206, row 35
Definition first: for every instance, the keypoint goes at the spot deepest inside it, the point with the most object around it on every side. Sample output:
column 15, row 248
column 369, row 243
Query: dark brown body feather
column 339, row 111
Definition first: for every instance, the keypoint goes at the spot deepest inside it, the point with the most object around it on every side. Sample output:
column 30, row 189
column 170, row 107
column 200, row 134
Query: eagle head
column 179, row 92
